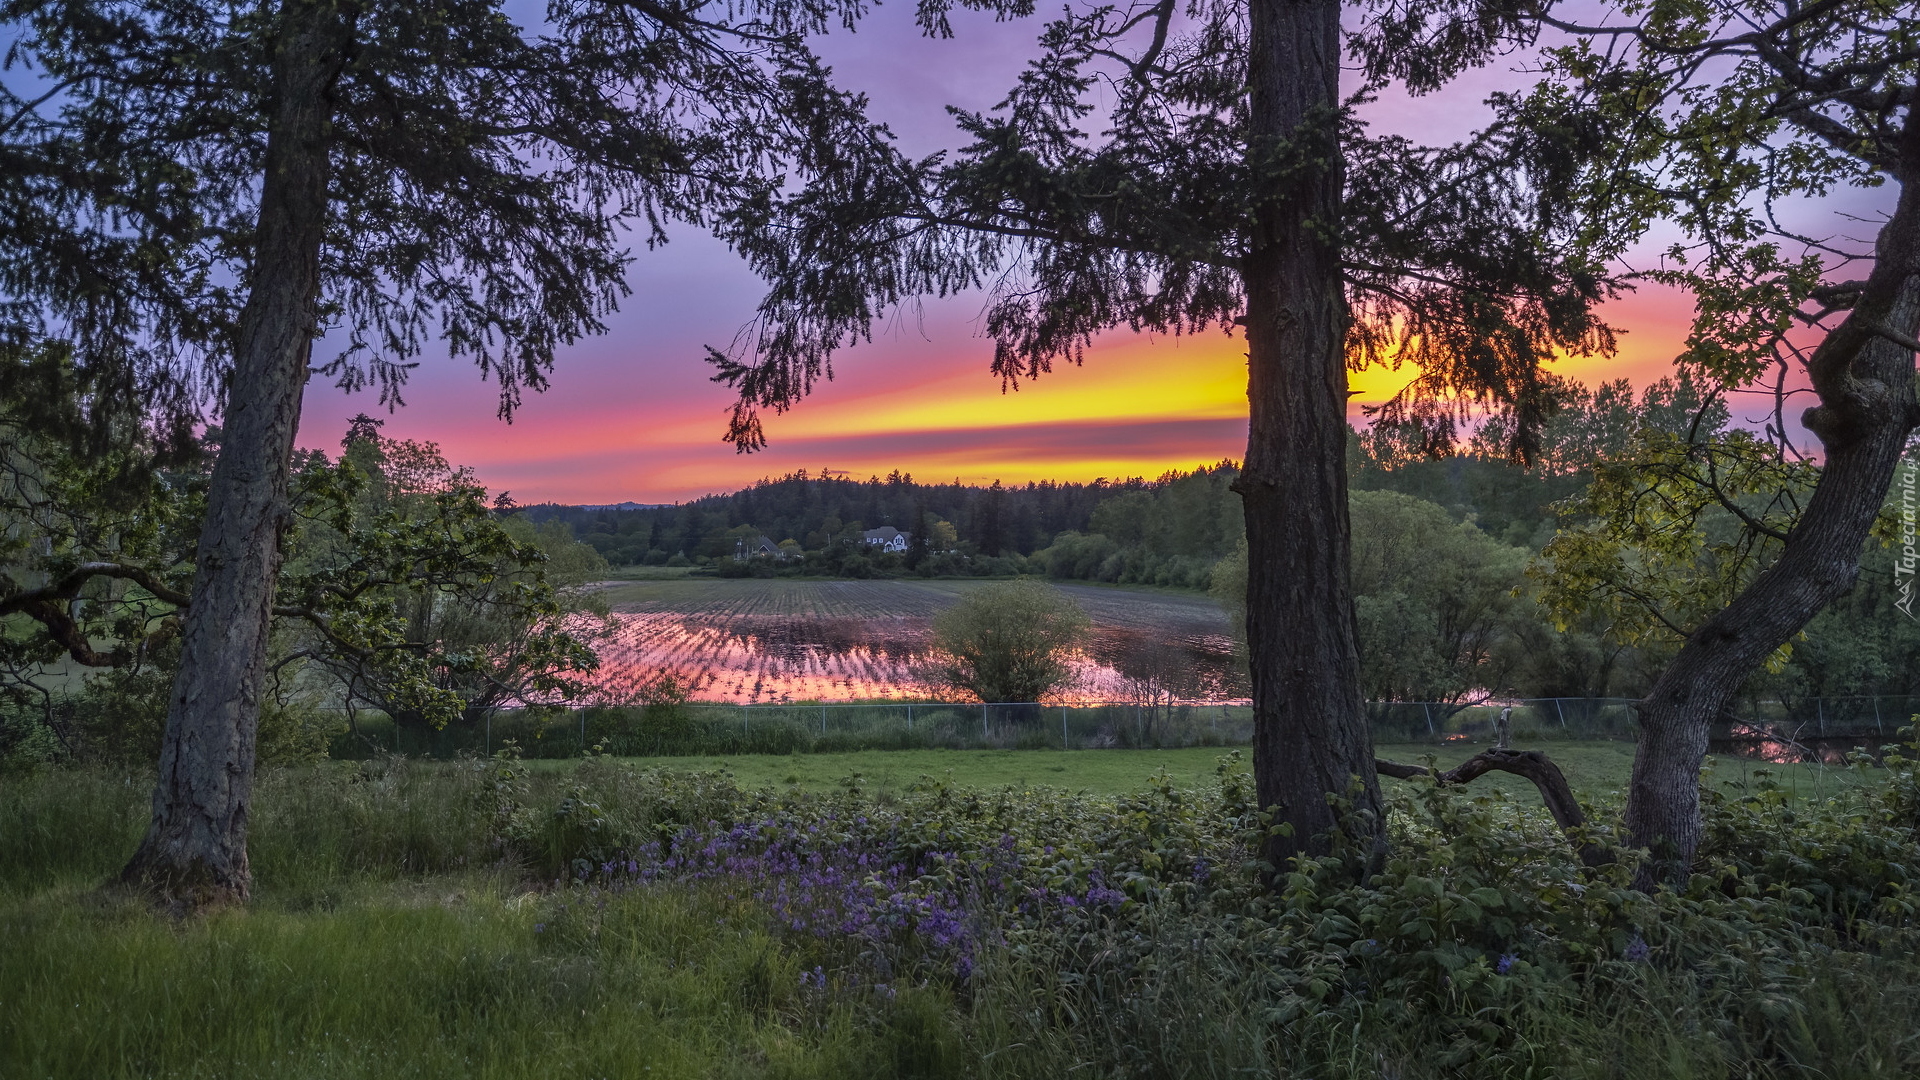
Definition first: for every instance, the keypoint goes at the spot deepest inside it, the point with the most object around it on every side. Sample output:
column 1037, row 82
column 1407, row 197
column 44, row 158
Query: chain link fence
column 701, row 728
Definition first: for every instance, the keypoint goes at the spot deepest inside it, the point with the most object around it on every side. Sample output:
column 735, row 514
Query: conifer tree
column 1230, row 186
column 381, row 174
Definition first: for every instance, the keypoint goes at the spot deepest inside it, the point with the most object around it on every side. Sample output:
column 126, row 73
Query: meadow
column 955, row 914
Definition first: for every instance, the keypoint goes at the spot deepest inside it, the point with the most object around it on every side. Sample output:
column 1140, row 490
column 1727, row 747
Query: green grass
column 647, row 573
column 447, row 977
column 1595, row 770
column 381, row 943
column 385, row 940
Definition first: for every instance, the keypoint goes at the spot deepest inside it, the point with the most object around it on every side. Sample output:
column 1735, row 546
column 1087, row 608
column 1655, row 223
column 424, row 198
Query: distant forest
column 819, row 512
column 1168, row 531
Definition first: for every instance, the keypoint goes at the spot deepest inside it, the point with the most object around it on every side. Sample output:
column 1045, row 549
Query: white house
column 887, row 538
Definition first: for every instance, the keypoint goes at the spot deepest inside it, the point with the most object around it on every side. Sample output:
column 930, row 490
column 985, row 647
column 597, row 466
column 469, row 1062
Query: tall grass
column 391, row 936
column 480, row 919
column 413, row 982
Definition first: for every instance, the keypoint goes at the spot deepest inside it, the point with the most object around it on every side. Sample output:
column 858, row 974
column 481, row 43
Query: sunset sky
column 632, row 415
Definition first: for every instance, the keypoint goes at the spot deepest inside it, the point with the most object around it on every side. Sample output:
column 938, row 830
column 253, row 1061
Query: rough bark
column 1865, row 383
column 1534, row 766
column 195, row 851
column 1310, row 734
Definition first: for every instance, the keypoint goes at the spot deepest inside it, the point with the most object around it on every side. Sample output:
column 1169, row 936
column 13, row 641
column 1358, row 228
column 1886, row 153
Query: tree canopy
column 376, row 175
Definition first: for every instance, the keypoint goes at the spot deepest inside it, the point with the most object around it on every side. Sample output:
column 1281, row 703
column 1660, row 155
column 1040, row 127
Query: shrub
column 1132, row 936
column 1010, row 641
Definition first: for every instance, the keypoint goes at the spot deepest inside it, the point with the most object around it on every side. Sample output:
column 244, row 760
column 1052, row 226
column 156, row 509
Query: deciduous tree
column 1010, row 641
column 1730, row 112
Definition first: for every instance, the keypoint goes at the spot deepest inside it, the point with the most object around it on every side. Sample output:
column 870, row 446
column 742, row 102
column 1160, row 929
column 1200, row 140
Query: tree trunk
column 195, row 850
column 1311, row 740
column 1865, row 383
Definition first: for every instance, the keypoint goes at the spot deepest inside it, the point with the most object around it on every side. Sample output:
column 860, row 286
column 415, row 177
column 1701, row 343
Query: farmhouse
column 887, row 538
column 758, row 547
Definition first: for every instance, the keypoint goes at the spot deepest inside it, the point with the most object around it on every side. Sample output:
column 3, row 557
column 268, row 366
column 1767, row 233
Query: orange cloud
column 635, row 421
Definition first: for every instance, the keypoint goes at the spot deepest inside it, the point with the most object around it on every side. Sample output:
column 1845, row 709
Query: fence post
column 823, row 719
column 1427, row 707
column 1563, row 713
column 909, row 718
column 1878, row 730
column 983, row 721
column 1820, row 713
column 1063, row 728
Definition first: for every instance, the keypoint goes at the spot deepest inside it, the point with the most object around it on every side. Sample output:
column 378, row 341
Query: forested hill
column 1192, row 517
column 813, row 510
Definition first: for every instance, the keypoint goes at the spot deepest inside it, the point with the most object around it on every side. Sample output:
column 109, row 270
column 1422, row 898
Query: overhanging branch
column 1531, row 764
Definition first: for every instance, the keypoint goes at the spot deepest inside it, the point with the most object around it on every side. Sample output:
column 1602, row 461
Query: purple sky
column 632, row 414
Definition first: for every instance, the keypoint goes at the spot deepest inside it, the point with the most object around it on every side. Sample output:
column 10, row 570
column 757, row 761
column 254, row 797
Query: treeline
column 1168, row 531
column 820, row 512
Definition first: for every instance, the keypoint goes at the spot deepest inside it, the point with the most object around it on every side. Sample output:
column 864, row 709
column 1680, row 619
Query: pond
column 755, row 641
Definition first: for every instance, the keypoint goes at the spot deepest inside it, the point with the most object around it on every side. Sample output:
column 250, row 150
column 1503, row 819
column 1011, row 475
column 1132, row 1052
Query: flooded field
column 782, row 640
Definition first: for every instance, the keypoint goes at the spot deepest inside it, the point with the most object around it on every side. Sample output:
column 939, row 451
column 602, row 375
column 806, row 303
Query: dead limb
column 1531, row 764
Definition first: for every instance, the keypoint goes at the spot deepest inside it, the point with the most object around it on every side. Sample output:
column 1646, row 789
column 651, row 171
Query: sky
column 632, row 415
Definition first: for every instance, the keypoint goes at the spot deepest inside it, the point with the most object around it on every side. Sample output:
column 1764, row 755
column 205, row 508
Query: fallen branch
column 1531, row 764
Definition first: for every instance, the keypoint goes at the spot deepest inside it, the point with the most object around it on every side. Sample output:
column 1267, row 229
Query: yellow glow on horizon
column 1138, row 407
column 1193, row 378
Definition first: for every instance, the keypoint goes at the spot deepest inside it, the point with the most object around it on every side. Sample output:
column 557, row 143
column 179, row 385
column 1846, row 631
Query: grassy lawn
column 442, row 977
column 1596, row 770
column 649, row 573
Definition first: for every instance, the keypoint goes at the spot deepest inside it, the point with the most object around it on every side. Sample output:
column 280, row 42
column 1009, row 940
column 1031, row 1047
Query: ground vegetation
column 602, row 916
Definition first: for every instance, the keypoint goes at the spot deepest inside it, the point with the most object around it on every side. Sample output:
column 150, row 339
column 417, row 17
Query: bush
column 1011, row 641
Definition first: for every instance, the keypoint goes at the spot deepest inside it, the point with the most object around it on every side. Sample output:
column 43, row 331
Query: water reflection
column 1778, row 744
column 759, row 659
